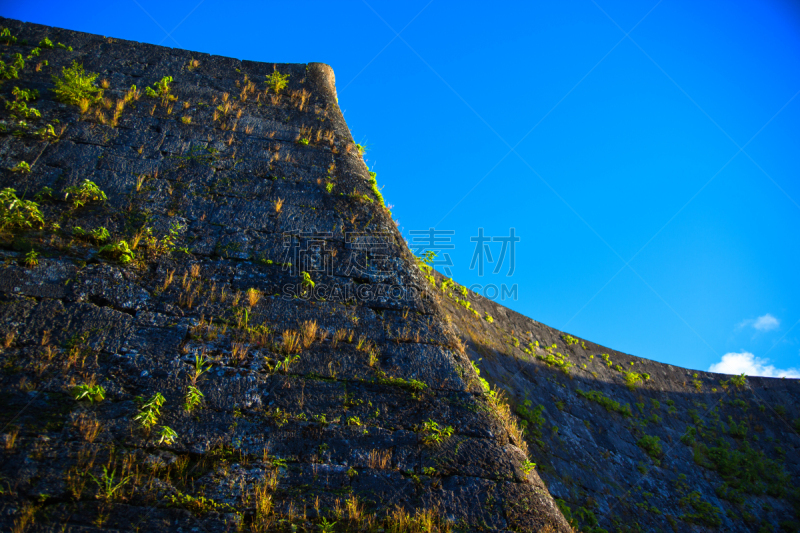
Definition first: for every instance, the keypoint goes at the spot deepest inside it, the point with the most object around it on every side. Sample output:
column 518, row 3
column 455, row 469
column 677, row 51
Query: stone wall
column 628, row 444
column 165, row 364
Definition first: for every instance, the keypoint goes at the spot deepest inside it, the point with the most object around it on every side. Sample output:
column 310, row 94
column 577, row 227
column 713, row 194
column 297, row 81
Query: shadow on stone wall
column 628, row 444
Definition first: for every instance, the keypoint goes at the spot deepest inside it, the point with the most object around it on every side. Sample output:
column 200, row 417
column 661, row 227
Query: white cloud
column 747, row 363
column 763, row 323
column 766, row 323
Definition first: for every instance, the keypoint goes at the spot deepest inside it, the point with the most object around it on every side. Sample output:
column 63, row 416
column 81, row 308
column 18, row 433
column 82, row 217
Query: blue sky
column 645, row 153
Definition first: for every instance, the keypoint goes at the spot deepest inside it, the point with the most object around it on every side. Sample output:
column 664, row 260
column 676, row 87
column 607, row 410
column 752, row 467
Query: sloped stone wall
column 165, row 365
column 727, row 454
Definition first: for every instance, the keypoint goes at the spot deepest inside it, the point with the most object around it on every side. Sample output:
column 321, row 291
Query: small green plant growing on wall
column 569, row 339
column 21, row 110
column 75, row 85
column 118, row 251
column 277, row 81
column 25, row 95
column 31, row 259
column 100, row 234
column 9, row 71
column 86, row 192
column 373, row 184
column 532, row 419
column 92, row 393
column 45, row 195
column 688, row 438
column 484, row 384
column 737, row 381
column 107, row 488
column 632, row 379
column 199, row 506
column 161, row 89
column 447, row 287
column 737, row 430
column 740, row 381
column 651, row 445
column 16, row 213
column 150, row 411
column 19, row 107
column 193, row 399
column 432, row 433
column 528, row 466
column 200, row 367
column 605, row 401
column 426, row 261
column 283, row 366
column 656, row 404
column 703, row 512
column 166, row 435
column 22, row 167
column 6, row 37
column 307, row 282
column 46, row 132
column 554, row 358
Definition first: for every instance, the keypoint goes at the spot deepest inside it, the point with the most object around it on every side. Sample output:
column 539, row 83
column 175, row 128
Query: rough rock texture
column 344, row 397
column 728, row 451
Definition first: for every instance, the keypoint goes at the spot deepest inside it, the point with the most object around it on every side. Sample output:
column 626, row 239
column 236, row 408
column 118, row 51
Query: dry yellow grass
column 239, row 351
column 338, row 335
column 168, row 279
column 11, row 438
column 380, row 459
column 355, row 509
column 253, row 297
column 423, row 521
column 263, row 520
column 459, row 345
column 290, row 341
column 507, row 418
column 309, row 329
column 25, row 518
column 88, row 427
